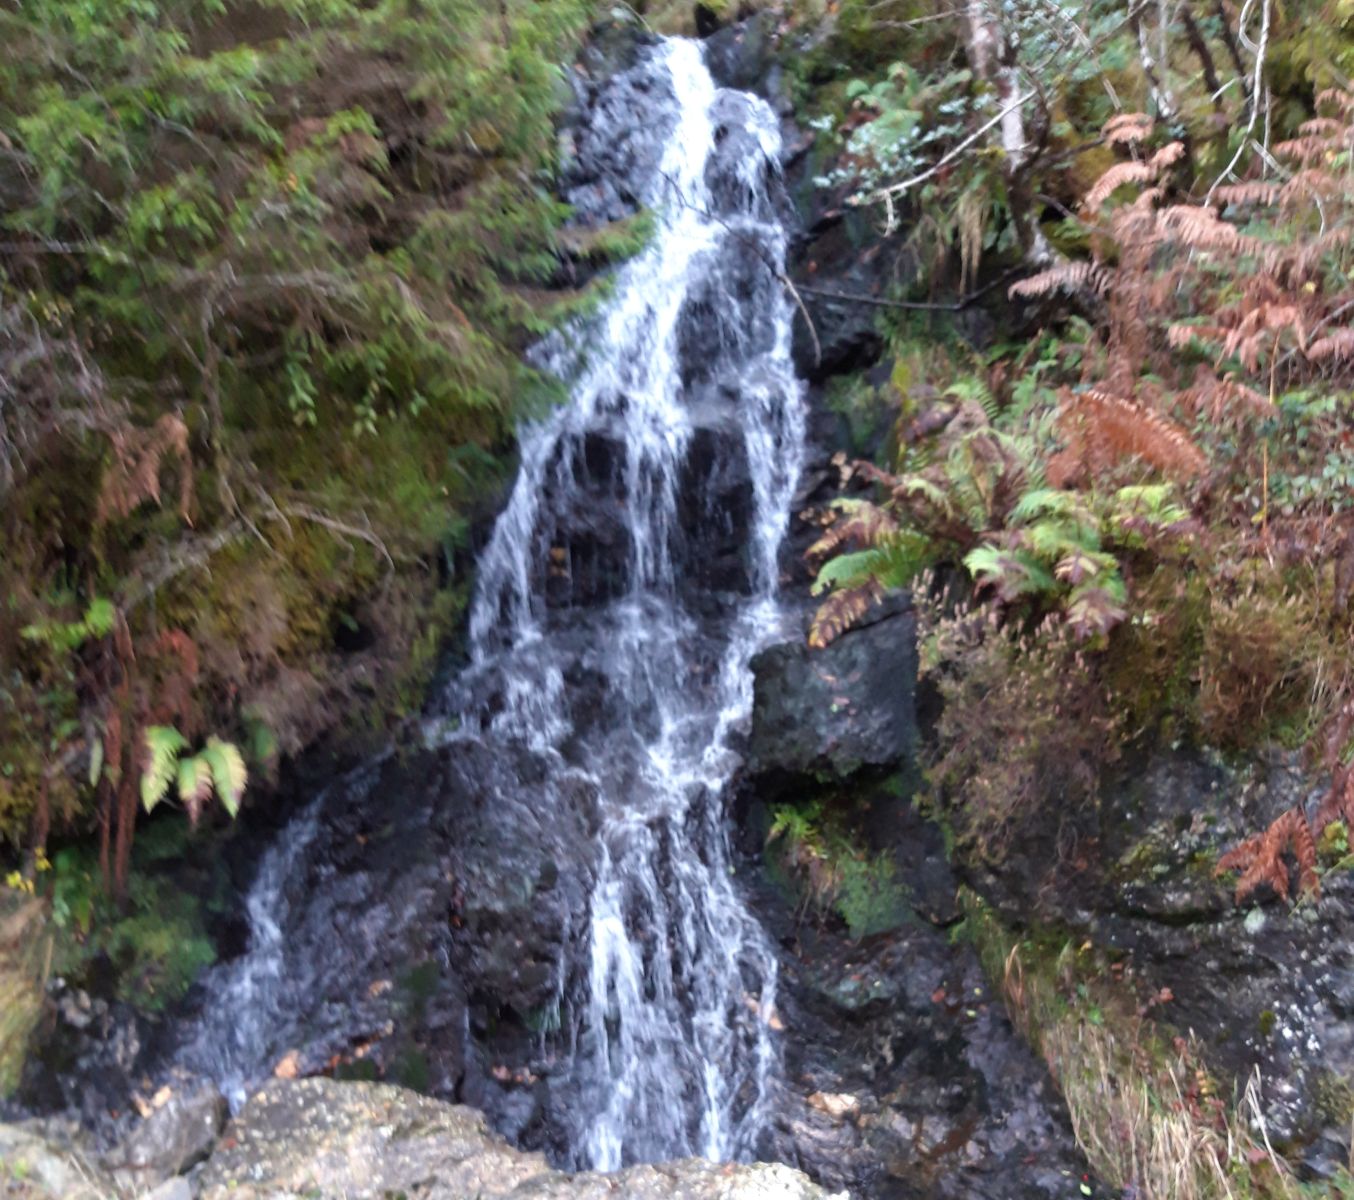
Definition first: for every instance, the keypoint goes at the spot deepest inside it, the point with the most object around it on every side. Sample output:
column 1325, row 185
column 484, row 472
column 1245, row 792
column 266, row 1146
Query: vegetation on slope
column 1146, row 483
column 1118, row 240
column 266, row 273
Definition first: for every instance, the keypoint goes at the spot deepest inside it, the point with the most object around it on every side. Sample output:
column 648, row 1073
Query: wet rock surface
column 369, row 1140
column 1265, row 985
column 905, row 1079
column 839, row 709
column 903, row 1076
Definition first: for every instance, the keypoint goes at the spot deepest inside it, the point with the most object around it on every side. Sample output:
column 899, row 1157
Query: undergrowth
column 1148, row 1115
column 835, row 871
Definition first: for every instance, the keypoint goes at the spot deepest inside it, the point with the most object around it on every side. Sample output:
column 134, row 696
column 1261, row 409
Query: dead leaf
column 289, row 1066
column 835, row 1104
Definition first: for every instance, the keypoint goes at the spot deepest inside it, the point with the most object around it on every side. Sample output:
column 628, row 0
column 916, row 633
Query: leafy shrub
column 836, row 872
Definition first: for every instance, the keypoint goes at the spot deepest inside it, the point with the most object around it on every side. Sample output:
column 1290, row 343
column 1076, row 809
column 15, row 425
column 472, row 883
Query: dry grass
column 1145, row 1124
column 1144, row 1110
column 25, row 959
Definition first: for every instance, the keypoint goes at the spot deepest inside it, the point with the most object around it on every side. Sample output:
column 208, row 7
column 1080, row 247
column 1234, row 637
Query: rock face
column 1265, row 986
column 32, row 1167
column 837, row 710
column 903, row 1076
column 316, row 1137
column 172, row 1139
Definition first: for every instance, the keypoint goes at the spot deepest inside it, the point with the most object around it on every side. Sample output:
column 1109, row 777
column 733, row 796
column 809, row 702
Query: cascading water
column 638, row 553
column 674, row 1042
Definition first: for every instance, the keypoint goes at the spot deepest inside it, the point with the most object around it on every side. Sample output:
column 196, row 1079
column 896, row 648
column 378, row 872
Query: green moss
column 816, row 857
column 156, row 942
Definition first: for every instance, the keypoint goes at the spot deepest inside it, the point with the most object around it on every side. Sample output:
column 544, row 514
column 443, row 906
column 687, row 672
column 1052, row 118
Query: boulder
column 175, row 1137
column 33, row 1167
column 837, row 710
column 317, row 1137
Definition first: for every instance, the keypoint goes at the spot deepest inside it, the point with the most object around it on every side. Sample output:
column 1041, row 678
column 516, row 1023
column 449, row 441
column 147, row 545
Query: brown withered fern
column 1260, row 858
column 842, row 611
column 1101, row 430
column 132, row 477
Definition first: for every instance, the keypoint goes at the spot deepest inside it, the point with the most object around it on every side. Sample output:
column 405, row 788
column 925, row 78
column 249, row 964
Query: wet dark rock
column 837, row 710
column 175, row 1137
column 714, row 507
column 610, row 139
column 903, row 1077
column 1263, row 986
column 707, row 20
column 742, row 56
column 87, row 1057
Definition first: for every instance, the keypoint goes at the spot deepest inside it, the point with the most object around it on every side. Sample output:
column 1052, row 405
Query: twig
column 918, row 305
column 313, row 515
column 1255, row 93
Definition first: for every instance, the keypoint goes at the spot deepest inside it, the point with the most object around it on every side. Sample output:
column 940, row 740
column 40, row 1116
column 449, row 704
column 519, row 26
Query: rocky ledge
column 316, row 1137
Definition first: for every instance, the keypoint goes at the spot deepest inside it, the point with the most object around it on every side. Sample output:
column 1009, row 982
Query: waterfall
column 638, row 551
column 676, row 1037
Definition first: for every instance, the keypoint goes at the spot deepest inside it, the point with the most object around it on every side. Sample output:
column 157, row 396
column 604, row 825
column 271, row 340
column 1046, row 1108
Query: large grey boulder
column 175, row 1137
column 33, row 1167
column 318, row 1137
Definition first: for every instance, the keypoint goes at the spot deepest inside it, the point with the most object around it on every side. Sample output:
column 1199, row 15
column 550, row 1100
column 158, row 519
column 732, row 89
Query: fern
column 218, row 768
column 228, row 772
column 163, row 745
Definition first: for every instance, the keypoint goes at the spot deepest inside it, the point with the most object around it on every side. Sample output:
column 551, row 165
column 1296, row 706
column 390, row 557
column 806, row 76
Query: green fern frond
column 1048, row 502
column 164, row 744
column 1011, row 574
column 1052, row 540
column 195, row 782
column 919, row 485
column 974, row 389
column 229, row 774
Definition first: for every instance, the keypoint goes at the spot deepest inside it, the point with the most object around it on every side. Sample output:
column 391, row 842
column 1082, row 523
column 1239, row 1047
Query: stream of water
column 639, row 550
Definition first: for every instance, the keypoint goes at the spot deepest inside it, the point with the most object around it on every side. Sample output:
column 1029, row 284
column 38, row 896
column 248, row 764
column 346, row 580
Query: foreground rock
column 317, row 1137
column 174, row 1138
column 34, row 1167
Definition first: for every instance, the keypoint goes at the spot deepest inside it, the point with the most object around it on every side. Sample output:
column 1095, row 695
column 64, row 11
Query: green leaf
column 99, row 617
column 164, row 744
column 228, row 772
column 195, row 781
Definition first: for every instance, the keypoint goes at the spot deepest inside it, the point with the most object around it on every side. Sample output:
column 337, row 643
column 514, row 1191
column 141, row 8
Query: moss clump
column 156, row 941
column 828, row 866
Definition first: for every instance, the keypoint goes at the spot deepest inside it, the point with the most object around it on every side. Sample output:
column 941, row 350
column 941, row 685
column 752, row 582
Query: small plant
column 217, row 769
column 837, row 873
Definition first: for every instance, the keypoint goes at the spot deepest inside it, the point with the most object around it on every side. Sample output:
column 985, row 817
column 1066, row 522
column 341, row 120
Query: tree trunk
column 993, row 60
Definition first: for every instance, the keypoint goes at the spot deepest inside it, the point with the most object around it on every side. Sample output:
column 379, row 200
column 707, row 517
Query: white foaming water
column 674, row 1045
column 634, row 687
